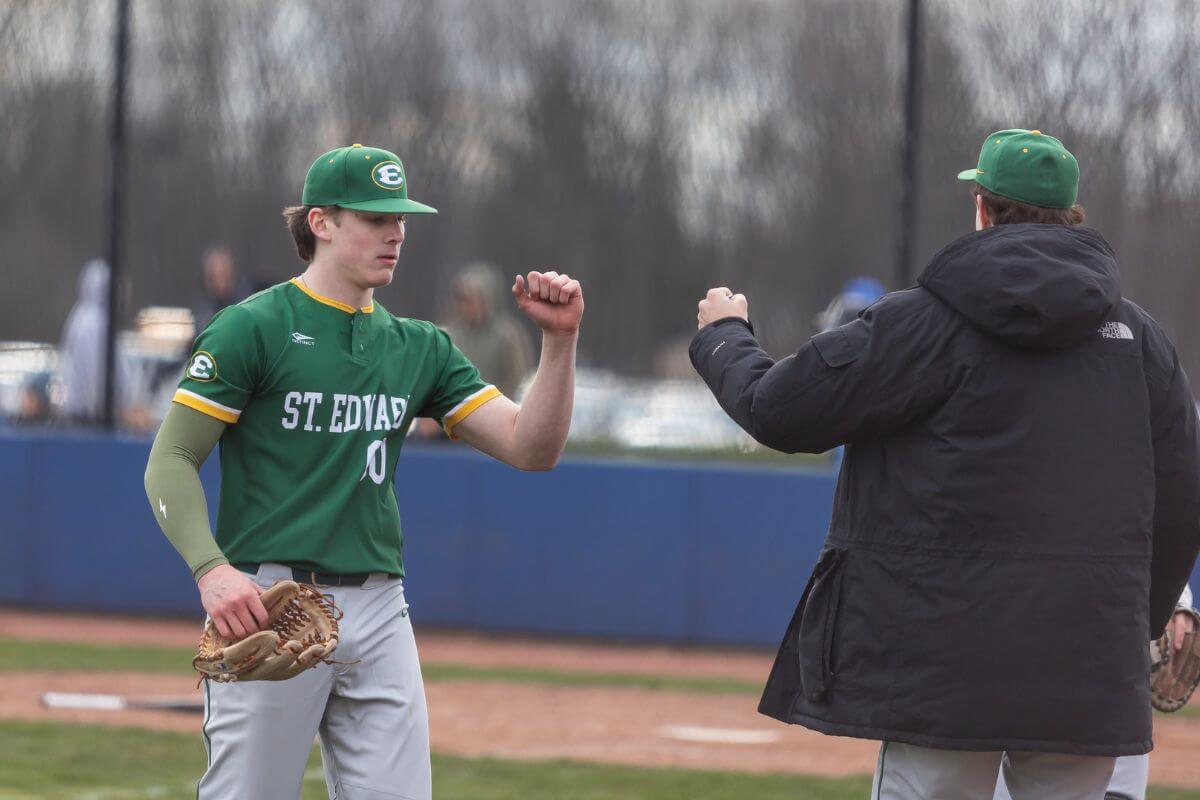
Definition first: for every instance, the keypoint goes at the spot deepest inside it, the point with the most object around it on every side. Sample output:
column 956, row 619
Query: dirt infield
column 530, row 721
column 437, row 647
column 519, row 721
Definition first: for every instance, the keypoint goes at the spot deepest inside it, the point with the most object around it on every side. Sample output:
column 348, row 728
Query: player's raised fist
column 720, row 303
column 554, row 302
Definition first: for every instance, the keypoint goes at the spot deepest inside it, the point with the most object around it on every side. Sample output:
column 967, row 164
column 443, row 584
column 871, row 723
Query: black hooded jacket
column 1018, row 507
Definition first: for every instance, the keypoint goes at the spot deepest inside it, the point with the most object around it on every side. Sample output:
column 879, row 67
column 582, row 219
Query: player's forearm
column 174, row 489
column 177, row 498
column 540, row 429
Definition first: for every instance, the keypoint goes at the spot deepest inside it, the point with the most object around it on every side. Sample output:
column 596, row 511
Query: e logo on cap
column 388, row 175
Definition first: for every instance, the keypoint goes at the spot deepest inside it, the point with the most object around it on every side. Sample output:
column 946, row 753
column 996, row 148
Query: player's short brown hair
column 297, row 224
column 1006, row 211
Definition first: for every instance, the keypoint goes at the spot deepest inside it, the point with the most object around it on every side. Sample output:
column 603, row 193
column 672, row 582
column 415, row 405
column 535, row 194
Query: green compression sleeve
column 173, row 485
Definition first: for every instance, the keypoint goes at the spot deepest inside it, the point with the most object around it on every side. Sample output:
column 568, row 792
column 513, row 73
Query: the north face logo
column 1116, row 330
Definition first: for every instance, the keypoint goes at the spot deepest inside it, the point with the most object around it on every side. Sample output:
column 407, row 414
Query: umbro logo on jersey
column 300, row 338
column 1116, row 330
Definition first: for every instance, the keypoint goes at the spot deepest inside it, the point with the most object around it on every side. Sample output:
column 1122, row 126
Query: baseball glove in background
column 1174, row 674
column 303, row 632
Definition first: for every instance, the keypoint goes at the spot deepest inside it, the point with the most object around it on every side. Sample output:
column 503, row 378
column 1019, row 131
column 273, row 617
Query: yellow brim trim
column 468, row 407
column 194, row 401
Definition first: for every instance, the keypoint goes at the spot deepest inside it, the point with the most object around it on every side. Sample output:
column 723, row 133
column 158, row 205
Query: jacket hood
column 1041, row 287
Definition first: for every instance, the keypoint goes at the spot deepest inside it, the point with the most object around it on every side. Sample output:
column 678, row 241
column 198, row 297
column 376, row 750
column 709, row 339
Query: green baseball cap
column 362, row 179
column 1028, row 166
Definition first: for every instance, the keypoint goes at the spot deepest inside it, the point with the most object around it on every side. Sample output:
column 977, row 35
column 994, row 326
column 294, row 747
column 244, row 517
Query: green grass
column 27, row 655
column 51, row 761
column 452, row 672
column 39, row 656
column 45, row 760
column 43, row 656
column 67, row 762
column 1187, row 712
column 491, row 779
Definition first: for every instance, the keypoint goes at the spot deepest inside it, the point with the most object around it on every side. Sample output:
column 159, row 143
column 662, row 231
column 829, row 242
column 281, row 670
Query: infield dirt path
column 437, row 647
column 530, row 721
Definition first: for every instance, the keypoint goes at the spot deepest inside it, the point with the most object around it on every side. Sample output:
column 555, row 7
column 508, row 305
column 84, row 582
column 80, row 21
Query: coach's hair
column 1006, row 211
column 297, row 224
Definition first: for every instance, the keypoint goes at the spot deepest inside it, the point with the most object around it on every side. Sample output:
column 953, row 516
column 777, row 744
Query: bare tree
column 651, row 147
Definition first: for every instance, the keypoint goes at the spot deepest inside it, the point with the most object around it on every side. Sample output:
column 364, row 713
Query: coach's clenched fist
column 719, row 304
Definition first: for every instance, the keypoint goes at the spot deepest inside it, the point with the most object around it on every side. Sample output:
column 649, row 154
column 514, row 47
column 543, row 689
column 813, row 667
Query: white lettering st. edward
column 347, row 412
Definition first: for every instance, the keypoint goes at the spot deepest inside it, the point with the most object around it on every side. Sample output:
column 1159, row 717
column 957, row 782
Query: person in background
column 81, row 352
column 855, row 297
column 486, row 330
column 81, row 360
column 487, row 333
column 846, row 305
column 34, row 406
column 221, row 286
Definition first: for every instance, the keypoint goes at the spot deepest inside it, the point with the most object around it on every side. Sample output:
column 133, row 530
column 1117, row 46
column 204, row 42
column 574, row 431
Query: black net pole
column 908, row 164
column 116, row 174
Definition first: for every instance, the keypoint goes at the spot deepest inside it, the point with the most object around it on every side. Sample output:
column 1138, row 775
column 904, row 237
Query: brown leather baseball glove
column 1174, row 674
column 303, row 632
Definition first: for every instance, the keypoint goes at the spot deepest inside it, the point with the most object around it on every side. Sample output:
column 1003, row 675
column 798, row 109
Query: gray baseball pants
column 370, row 716
column 1128, row 780
column 908, row 772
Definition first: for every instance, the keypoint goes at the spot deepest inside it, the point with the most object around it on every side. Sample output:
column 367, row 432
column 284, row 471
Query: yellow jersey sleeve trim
column 329, row 301
column 468, row 407
column 206, row 406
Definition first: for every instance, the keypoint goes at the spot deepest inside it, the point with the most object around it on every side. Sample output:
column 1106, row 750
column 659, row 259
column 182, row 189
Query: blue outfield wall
column 675, row 553
column 595, row 548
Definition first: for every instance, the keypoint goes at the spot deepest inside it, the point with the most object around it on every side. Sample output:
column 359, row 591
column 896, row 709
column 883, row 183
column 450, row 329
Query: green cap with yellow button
column 362, row 179
column 1027, row 166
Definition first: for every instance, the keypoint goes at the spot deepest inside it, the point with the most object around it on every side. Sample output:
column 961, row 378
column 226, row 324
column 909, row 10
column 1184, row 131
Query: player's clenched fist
column 719, row 304
column 231, row 600
column 554, row 302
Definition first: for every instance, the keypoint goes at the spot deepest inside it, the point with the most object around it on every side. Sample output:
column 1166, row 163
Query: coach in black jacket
column 1019, row 504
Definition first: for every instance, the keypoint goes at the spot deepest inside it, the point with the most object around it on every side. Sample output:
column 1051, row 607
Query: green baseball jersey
column 319, row 397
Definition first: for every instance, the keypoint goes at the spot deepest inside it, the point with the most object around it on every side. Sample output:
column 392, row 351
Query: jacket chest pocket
column 818, row 624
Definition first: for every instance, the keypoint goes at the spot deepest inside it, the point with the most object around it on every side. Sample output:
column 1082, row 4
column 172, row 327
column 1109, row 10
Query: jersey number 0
column 376, row 461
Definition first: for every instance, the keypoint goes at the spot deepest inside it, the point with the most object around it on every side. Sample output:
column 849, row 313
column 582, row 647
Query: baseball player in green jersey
column 310, row 387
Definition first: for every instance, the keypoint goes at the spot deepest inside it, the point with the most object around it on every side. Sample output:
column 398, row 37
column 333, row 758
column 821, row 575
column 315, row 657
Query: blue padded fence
column 594, row 548
column 687, row 554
